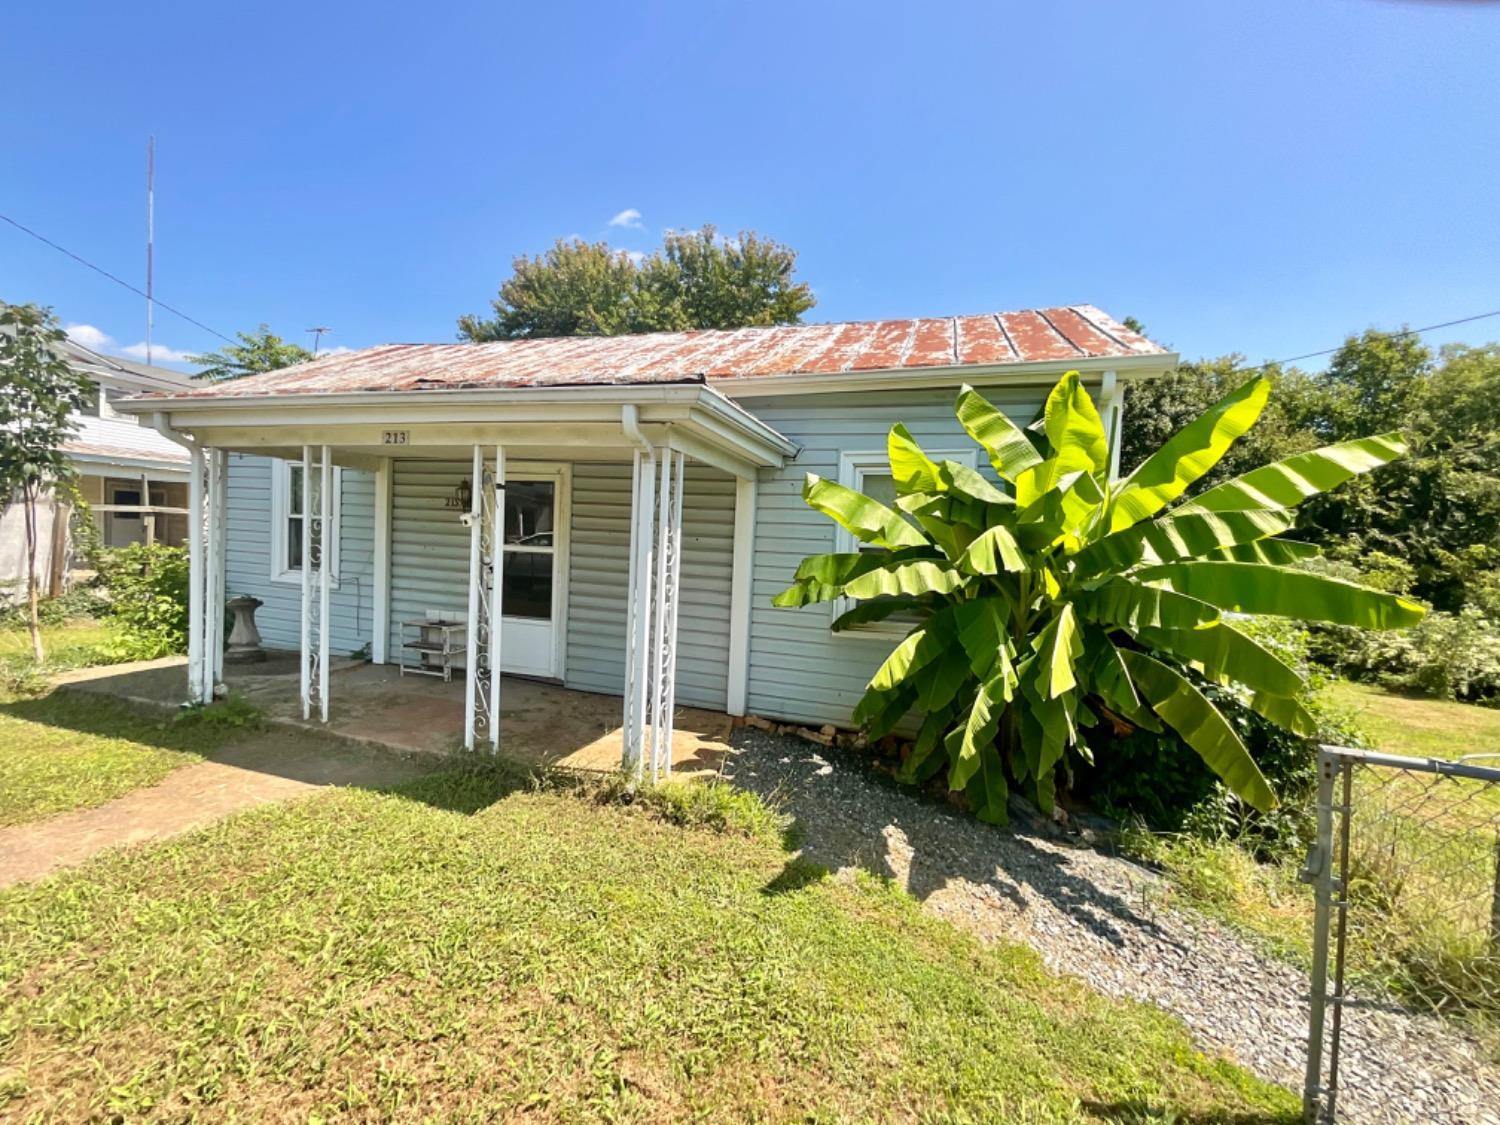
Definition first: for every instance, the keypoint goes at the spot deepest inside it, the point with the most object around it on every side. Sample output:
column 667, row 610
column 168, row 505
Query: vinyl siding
column 799, row 670
column 247, row 562
column 600, row 569
column 429, row 545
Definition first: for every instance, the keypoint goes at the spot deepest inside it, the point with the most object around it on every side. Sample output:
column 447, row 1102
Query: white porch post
column 305, row 648
column 627, row 726
column 471, row 634
column 497, row 595
column 196, row 574
column 317, row 557
column 638, row 642
column 667, row 719
column 740, row 595
column 214, row 608
column 659, row 613
column 325, row 561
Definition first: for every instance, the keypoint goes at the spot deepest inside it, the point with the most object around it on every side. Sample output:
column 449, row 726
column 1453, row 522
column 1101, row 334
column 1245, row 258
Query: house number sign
column 393, row 437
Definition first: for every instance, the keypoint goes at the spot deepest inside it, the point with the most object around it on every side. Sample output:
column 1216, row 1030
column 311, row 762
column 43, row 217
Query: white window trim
column 853, row 465
column 280, row 484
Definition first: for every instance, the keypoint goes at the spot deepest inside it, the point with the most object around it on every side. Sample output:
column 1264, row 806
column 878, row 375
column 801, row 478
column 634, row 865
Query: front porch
column 546, row 726
column 458, row 515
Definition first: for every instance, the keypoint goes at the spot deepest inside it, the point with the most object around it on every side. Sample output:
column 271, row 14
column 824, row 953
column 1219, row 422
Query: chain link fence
column 1406, row 870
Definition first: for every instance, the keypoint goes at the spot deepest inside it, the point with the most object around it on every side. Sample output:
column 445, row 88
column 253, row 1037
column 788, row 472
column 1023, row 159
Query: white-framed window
column 287, row 517
column 870, row 473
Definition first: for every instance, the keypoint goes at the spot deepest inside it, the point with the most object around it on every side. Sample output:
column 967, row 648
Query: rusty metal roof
column 1067, row 333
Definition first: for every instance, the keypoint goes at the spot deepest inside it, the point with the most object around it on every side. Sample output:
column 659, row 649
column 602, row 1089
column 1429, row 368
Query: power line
column 118, row 281
column 1392, row 335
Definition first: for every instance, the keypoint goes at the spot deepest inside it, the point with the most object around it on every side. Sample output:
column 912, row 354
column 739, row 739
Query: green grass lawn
column 67, row 750
column 1423, row 728
column 464, row 950
column 72, row 644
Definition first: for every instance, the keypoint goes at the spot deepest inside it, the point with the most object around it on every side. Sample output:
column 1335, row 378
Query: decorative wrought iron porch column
column 486, row 519
column 316, row 504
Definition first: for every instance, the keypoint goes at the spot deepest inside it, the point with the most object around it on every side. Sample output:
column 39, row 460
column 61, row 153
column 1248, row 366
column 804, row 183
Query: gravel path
column 1101, row 918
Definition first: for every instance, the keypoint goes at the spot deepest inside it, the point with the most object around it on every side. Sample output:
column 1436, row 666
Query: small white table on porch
column 435, row 644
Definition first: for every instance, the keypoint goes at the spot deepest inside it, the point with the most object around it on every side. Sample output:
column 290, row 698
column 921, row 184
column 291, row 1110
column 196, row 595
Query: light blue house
column 644, row 492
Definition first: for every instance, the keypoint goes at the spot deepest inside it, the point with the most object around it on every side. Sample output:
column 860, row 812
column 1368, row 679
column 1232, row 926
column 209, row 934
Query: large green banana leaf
column 1187, row 711
column 1190, row 453
column 1129, row 605
column 821, row 578
column 1226, row 653
column 920, row 648
column 1009, row 450
column 912, row 470
column 993, row 551
column 1273, row 552
column 911, row 578
column 1057, row 646
column 871, row 610
column 1177, row 536
column 1280, row 591
column 978, row 731
column 865, row 519
column 1288, row 482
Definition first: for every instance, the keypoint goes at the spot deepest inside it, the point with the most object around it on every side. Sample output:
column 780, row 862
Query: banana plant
column 1050, row 597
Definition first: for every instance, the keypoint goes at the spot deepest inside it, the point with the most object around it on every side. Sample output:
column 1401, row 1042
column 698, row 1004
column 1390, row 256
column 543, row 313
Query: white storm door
column 534, row 574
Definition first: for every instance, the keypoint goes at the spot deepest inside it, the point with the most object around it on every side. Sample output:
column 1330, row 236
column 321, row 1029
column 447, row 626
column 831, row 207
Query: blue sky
column 1256, row 177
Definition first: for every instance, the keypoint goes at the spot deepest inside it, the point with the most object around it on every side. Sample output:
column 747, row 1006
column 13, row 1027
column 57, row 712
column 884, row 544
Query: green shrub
column 1447, row 656
column 1148, row 777
column 148, row 593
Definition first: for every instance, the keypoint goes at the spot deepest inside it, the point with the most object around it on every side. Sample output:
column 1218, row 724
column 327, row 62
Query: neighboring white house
column 649, row 498
column 133, row 478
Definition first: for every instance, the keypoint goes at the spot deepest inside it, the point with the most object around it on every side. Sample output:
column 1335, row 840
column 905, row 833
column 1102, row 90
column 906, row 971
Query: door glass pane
column 528, row 514
column 527, row 585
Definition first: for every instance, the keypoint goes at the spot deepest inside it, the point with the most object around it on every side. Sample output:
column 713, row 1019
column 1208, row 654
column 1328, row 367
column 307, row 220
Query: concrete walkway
column 266, row 767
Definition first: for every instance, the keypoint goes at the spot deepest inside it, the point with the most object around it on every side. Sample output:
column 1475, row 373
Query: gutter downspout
column 637, row 606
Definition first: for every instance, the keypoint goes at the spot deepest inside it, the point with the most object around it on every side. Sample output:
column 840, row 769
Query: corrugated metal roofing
column 1073, row 332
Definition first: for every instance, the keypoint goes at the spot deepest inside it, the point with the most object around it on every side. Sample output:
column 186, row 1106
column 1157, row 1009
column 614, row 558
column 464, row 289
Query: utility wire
column 1392, row 335
column 118, row 281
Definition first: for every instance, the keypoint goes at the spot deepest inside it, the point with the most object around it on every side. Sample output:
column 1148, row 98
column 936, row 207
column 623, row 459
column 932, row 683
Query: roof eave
column 1129, row 368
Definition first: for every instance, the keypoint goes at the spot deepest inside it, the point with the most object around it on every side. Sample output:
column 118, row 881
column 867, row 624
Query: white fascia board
column 694, row 405
column 95, row 465
column 1126, row 368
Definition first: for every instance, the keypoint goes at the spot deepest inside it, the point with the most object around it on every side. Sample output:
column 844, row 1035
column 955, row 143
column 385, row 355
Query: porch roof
column 552, row 423
column 744, row 360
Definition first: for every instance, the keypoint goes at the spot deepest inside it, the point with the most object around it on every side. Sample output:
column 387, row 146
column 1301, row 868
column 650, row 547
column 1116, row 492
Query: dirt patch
column 271, row 766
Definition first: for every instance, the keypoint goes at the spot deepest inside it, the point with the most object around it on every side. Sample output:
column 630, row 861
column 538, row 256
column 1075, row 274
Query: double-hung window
column 870, row 473
column 288, row 517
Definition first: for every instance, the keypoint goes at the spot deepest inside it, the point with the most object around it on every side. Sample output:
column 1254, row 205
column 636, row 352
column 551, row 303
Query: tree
column 1068, row 599
column 696, row 280
column 39, row 394
column 261, row 350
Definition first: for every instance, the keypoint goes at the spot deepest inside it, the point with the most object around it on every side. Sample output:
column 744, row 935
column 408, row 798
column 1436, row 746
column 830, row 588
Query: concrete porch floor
column 541, row 724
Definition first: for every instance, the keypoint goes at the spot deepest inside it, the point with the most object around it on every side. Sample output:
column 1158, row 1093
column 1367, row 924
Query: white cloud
column 337, row 349
column 90, row 337
column 159, row 353
column 96, row 339
column 629, row 218
column 636, row 257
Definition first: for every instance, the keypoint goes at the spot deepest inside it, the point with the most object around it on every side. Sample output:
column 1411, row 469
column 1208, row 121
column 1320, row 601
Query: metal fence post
column 1319, row 872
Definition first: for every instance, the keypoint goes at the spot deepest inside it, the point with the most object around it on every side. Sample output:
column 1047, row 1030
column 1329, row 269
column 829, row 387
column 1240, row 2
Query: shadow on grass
column 797, row 875
column 1136, row 1112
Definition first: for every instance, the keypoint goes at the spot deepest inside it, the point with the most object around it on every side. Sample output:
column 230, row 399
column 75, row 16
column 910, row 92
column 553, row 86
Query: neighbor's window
column 288, row 517
column 870, row 473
